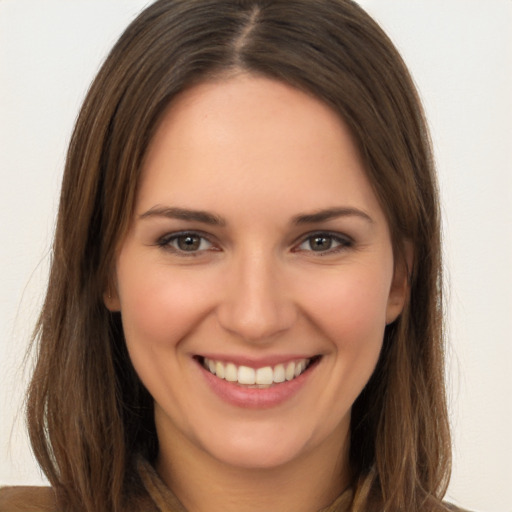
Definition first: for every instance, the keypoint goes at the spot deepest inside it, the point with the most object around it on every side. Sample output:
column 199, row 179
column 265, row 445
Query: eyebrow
column 330, row 214
column 214, row 220
column 184, row 214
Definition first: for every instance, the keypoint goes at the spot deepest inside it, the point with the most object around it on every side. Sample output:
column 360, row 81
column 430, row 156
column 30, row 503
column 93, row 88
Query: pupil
column 188, row 243
column 321, row 243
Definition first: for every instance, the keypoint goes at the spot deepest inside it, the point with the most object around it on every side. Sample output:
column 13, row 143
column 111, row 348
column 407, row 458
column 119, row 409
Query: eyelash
column 343, row 242
column 166, row 242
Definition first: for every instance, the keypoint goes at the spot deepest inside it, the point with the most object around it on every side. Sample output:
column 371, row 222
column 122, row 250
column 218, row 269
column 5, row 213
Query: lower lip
column 255, row 398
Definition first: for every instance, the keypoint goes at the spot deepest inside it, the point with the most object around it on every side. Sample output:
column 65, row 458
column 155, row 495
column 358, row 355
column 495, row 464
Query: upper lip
column 260, row 362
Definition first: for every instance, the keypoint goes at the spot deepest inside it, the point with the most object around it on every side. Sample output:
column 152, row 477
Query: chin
column 256, row 454
column 267, row 446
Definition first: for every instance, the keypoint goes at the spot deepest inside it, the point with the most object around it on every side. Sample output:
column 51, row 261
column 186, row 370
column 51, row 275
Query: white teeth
column 279, row 375
column 231, row 373
column 299, row 368
column 290, row 371
column 264, row 375
column 246, row 375
column 219, row 370
column 259, row 377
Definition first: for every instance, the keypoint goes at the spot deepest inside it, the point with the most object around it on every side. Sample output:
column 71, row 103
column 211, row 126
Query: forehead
column 257, row 138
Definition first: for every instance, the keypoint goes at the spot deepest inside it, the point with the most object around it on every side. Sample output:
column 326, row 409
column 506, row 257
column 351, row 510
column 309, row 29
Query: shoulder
column 27, row 499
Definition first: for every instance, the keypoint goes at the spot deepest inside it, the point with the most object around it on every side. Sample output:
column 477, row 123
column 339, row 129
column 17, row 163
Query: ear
column 111, row 297
column 400, row 286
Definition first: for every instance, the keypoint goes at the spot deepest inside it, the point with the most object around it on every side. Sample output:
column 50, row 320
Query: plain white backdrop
column 460, row 54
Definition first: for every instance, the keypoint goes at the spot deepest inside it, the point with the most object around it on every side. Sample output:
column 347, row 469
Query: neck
column 205, row 484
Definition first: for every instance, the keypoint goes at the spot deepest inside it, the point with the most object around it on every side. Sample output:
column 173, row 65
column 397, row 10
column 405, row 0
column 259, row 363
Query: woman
column 244, row 305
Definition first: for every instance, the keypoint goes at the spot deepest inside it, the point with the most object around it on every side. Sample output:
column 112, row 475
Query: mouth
column 258, row 378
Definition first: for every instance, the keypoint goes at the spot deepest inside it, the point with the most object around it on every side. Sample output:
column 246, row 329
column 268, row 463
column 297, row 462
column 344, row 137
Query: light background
column 460, row 54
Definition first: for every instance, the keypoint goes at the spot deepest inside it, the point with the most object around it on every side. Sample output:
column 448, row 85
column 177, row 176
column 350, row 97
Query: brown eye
column 325, row 243
column 320, row 243
column 188, row 242
column 185, row 243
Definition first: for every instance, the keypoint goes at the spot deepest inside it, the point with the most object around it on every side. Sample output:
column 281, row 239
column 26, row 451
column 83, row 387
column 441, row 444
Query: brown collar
column 166, row 501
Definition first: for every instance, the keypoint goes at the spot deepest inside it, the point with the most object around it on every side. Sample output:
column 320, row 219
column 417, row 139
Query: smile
column 261, row 378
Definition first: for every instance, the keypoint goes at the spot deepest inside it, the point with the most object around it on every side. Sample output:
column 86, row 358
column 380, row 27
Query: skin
column 256, row 154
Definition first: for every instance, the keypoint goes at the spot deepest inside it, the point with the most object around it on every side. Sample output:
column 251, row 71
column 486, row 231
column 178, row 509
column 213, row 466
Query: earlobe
column 400, row 286
column 111, row 299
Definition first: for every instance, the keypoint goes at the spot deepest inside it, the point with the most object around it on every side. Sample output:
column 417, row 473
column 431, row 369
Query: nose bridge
column 256, row 306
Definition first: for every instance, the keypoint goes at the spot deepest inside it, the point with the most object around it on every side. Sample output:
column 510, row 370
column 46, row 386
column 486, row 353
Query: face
column 257, row 277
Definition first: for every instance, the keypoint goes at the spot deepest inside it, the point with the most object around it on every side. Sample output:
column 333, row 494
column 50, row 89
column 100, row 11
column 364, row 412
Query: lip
column 255, row 398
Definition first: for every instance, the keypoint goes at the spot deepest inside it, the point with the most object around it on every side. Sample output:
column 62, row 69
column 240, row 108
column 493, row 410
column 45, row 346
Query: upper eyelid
column 341, row 237
column 343, row 240
column 184, row 232
column 168, row 237
column 333, row 234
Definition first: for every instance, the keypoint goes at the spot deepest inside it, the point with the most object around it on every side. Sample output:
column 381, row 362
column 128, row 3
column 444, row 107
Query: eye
column 189, row 242
column 324, row 243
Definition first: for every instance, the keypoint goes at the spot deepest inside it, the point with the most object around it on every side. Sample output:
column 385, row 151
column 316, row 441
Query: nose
column 256, row 304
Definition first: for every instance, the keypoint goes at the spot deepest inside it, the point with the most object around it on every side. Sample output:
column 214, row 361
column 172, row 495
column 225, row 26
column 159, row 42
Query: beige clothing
column 159, row 497
column 166, row 501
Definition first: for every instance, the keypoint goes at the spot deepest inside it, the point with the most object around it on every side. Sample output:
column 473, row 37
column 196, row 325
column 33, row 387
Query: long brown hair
column 89, row 416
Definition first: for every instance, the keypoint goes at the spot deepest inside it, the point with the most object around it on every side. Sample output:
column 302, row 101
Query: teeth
column 246, row 375
column 259, row 377
column 290, row 371
column 279, row 374
column 219, row 370
column 231, row 373
column 265, row 375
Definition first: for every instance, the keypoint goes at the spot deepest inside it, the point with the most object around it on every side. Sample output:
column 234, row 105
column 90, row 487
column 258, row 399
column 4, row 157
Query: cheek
column 160, row 307
column 351, row 308
column 351, row 314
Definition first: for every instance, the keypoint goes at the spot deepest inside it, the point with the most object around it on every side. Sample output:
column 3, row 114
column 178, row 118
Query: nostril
column 256, row 322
